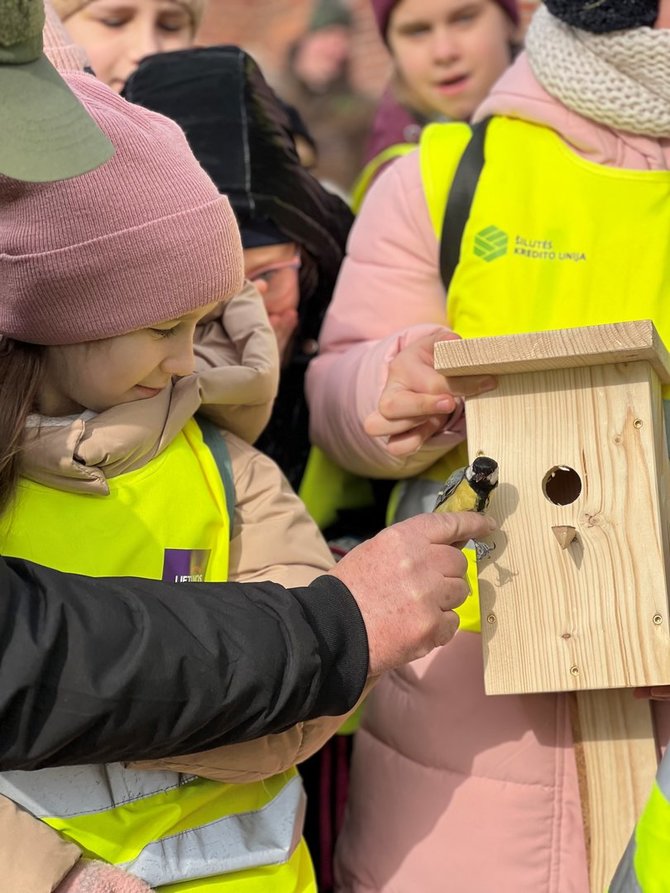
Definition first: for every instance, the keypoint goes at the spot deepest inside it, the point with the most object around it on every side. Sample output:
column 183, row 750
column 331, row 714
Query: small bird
column 469, row 489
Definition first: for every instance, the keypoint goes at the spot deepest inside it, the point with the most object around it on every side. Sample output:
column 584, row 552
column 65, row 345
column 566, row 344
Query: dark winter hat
column 240, row 133
column 297, row 125
column 329, row 13
column 383, row 9
column 605, row 15
column 260, row 231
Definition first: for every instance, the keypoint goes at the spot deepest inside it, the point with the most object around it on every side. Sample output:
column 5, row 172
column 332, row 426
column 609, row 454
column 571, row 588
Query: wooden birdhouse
column 574, row 594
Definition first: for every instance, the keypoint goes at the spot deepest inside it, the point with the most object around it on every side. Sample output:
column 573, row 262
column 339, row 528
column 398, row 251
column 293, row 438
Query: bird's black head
column 484, row 472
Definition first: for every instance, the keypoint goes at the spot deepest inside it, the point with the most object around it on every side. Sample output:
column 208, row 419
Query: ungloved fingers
column 447, row 628
column 449, row 527
column 409, row 442
column 402, row 403
column 448, row 560
column 455, row 593
column 471, row 385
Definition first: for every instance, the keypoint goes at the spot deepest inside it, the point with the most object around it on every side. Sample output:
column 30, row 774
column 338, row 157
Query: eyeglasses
column 272, row 273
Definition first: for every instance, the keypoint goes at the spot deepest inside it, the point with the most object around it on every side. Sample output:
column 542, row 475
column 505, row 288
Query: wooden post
column 574, row 595
column 616, row 760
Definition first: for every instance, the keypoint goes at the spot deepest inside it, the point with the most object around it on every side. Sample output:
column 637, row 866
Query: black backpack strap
column 459, row 201
column 216, row 443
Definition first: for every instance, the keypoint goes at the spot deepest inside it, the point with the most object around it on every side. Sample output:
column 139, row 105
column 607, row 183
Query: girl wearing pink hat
column 121, row 319
column 446, row 56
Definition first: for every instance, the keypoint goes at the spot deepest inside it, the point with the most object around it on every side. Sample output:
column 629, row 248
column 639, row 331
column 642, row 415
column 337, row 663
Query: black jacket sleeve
column 96, row 670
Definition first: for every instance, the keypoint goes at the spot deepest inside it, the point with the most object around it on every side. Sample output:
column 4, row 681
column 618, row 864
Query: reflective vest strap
column 459, row 203
column 442, row 147
column 295, row 876
column 145, row 819
column 624, row 880
column 170, row 836
column 372, row 168
column 215, row 442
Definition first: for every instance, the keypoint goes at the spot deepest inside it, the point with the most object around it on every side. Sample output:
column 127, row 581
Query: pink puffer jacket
column 451, row 790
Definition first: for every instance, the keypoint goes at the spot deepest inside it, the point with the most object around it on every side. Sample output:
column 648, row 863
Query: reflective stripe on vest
column 548, row 243
column 644, row 867
column 165, row 827
column 167, row 520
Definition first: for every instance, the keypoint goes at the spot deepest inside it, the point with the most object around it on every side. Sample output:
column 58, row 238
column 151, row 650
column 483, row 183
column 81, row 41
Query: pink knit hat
column 383, row 8
column 58, row 46
column 142, row 239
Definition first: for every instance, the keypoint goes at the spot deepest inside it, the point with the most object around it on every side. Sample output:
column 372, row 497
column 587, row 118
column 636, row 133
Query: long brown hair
column 21, row 371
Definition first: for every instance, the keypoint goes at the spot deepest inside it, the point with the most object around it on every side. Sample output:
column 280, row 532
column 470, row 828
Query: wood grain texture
column 623, row 342
column 595, row 614
column 577, row 427
column 617, row 760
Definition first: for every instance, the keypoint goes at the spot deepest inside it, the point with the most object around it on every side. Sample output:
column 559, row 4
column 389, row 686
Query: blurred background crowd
column 325, row 57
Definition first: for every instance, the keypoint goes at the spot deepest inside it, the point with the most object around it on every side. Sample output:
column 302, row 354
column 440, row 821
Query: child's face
column 98, row 375
column 321, row 56
column 449, row 53
column 274, row 271
column 116, row 34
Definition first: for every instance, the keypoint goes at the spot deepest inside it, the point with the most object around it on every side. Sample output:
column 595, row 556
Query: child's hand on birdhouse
column 417, row 401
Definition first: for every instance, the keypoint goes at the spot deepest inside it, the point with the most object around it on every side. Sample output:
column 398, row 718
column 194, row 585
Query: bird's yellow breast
column 463, row 499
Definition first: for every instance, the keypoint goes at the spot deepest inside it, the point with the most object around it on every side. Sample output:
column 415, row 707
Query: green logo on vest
column 490, row 243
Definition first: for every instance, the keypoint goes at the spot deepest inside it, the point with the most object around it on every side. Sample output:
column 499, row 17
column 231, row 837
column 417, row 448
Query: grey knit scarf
column 620, row 79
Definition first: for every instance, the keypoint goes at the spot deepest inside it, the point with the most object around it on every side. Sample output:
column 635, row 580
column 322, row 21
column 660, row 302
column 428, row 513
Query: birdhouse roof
column 623, row 342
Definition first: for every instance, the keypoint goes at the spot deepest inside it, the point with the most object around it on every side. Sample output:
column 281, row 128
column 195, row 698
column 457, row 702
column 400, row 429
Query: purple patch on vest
column 185, row 565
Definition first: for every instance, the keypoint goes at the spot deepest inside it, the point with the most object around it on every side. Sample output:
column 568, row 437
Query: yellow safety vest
column 169, row 521
column 644, row 866
column 552, row 240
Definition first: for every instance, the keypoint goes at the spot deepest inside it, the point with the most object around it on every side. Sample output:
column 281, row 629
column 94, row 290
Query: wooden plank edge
column 554, row 349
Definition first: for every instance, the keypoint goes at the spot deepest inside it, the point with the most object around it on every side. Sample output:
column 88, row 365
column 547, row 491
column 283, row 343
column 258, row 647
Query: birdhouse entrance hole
column 561, row 485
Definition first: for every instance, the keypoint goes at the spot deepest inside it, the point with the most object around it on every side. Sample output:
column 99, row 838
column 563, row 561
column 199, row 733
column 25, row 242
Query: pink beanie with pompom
column 142, row 239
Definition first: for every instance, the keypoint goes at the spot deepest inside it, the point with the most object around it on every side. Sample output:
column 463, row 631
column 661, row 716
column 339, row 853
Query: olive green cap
column 46, row 132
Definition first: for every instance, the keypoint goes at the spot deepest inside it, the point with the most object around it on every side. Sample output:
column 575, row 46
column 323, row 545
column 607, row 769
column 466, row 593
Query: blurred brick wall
column 266, row 28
